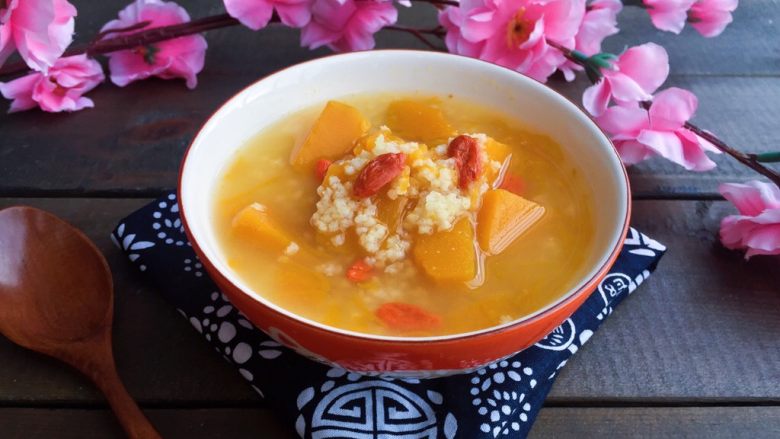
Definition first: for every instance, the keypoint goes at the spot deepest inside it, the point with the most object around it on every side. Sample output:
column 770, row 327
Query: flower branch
column 593, row 66
column 439, row 3
column 138, row 39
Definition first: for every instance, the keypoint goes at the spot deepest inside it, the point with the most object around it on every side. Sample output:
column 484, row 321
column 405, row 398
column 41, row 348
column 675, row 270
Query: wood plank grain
column 703, row 328
column 133, row 145
column 659, row 422
column 137, row 150
column 28, row 423
column 553, row 422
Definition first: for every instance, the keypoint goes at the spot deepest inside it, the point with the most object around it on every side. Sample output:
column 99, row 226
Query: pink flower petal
column 61, row 89
column 347, row 25
column 710, row 17
column 254, row 14
column 632, row 152
column 629, row 121
column 181, row 57
column 41, row 30
column 294, row 14
column 599, row 22
column 647, row 65
column 672, row 108
column 20, row 91
column 695, row 157
column 514, row 33
column 562, row 18
column 666, row 144
column 595, row 99
column 625, row 90
column 668, row 15
column 751, row 198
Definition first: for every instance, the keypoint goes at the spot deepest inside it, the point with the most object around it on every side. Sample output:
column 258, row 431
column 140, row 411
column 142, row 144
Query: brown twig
column 439, row 3
column 749, row 160
column 138, row 26
column 141, row 38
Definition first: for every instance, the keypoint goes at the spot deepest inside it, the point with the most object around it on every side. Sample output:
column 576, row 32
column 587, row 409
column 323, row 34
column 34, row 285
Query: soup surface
column 407, row 216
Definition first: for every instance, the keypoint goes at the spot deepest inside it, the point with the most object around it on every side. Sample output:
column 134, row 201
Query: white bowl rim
column 598, row 270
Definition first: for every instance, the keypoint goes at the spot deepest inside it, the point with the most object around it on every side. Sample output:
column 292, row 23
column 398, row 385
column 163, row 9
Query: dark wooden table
column 695, row 353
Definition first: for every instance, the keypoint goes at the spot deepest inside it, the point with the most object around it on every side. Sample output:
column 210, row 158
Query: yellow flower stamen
column 518, row 30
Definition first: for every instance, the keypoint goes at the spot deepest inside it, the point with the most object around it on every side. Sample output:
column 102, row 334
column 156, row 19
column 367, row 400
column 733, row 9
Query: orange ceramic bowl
column 301, row 86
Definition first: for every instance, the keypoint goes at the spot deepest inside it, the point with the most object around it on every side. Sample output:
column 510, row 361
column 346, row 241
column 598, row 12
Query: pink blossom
column 39, row 29
column 599, row 22
column 710, row 17
column 60, row 89
column 668, row 15
column 347, row 25
column 514, row 33
column 757, row 227
column 181, row 57
column 256, row 14
column 634, row 76
column 640, row 134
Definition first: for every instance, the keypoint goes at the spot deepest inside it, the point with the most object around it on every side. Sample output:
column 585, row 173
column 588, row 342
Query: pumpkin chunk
column 255, row 225
column 333, row 134
column 417, row 121
column 300, row 285
column 448, row 256
column 496, row 151
column 503, row 217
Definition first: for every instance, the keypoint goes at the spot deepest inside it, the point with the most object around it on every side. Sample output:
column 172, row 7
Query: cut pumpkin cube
column 256, row 225
column 333, row 134
column 448, row 256
column 300, row 286
column 418, row 121
column 496, row 151
column 503, row 217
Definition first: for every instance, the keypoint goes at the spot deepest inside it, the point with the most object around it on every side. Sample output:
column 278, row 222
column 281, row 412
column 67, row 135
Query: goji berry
column 360, row 271
column 406, row 317
column 377, row 173
column 321, row 168
column 465, row 150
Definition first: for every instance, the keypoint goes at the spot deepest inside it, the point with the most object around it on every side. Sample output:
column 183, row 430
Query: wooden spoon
column 56, row 298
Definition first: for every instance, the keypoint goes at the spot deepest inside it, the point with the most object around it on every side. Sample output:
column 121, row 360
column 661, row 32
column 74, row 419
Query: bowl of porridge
column 401, row 212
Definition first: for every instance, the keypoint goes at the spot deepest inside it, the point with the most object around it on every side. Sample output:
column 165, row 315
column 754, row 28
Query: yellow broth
column 534, row 271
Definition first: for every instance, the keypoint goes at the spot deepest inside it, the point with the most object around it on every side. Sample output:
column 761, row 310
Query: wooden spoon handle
column 130, row 416
column 97, row 362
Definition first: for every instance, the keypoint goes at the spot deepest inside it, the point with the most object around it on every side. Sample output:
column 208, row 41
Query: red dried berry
column 465, row 150
column 360, row 271
column 321, row 168
column 377, row 173
column 407, row 317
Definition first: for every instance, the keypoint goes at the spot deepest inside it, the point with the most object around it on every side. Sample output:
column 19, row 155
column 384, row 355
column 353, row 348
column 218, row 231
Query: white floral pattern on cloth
column 128, row 243
column 167, row 224
column 319, row 401
column 498, row 398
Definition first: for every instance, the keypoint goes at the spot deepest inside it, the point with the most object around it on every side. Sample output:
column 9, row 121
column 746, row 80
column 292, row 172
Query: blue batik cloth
column 319, row 401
